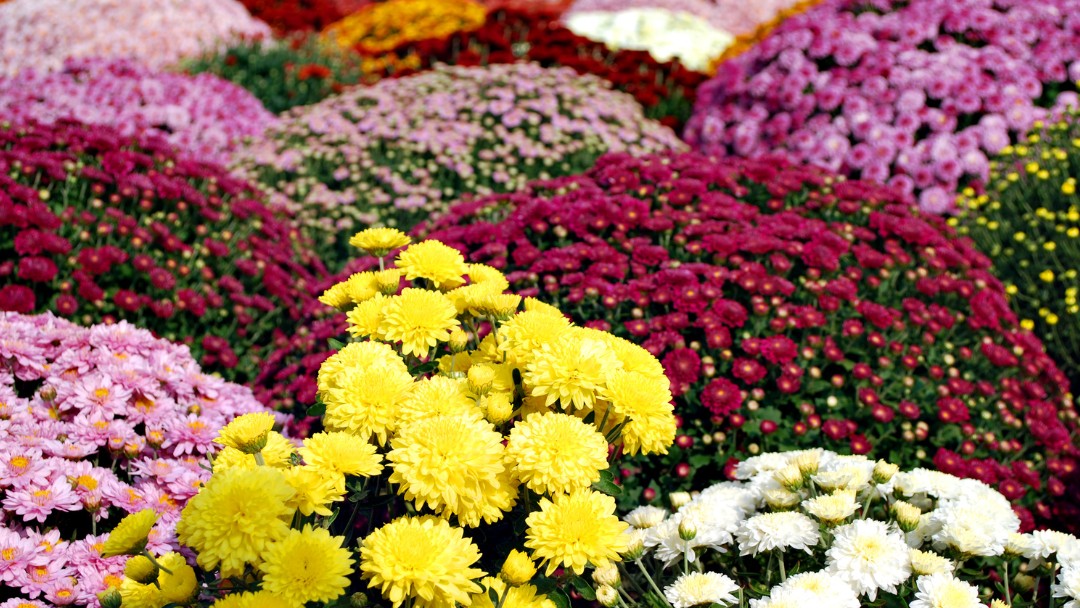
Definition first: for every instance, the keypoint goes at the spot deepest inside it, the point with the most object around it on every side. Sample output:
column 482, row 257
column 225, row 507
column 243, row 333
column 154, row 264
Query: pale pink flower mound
column 43, row 33
column 95, row 423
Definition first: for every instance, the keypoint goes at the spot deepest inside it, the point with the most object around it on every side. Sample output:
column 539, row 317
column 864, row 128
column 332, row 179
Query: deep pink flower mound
column 917, row 94
column 96, row 228
column 792, row 309
column 95, row 422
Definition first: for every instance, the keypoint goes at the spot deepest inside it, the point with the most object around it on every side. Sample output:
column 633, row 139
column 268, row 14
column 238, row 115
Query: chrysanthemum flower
column 526, row 332
column 361, row 287
column 571, row 370
column 314, row 489
column 366, row 403
column 247, row 433
column 522, row 596
column 235, row 517
column 358, row 355
column 441, row 264
column 944, row 591
column 698, row 588
column 574, row 530
column 645, row 516
column 556, row 453
column 277, row 454
column 366, row 318
column 777, row 531
column 869, row 555
column 420, row 319
column 379, row 241
column 336, row 296
column 341, row 453
column 129, row 536
column 928, row 562
column 436, row 396
column 449, row 463
column 832, row 508
column 307, row 565
column 424, row 558
column 1068, row 584
column 517, row 569
column 646, row 404
column 820, row 588
column 177, row 580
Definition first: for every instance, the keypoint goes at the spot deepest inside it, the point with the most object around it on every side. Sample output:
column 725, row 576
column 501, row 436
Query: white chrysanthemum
column 944, row 591
column 731, row 493
column 821, row 588
column 847, row 476
column 1068, row 585
column 645, row 516
column 1048, row 542
column 777, row 531
column 928, row 562
column 715, row 516
column 975, row 527
column 1020, row 544
column 697, row 588
column 832, row 508
column 870, row 555
column 763, row 463
column 924, row 481
column 784, row 598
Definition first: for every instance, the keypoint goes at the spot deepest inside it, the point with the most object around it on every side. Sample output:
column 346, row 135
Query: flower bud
column 790, row 477
column 497, row 407
column 518, row 568
column 687, row 530
column 110, row 598
column 480, row 377
column 358, row 600
column 678, row 499
column 388, row 281
column 634, row 550
column 459, row 340
column 907, row 515
column 781, row 500
column 808, row 463
column 884, row 471
column 607, row 596
column 247, row 433
column 140, row 569
column 608, row 574
column 1024, row 582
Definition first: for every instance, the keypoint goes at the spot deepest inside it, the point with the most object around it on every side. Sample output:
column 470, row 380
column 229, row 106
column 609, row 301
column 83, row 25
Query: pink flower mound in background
column 204, row 116
column 43, row 33
column 733, row 16
column 94, row 423
column 915, row 94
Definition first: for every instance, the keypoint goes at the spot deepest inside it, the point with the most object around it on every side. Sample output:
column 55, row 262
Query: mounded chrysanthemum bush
column 403, row 149
column 465, row 456
column 813, row 528
column 740, row 18
column 916, row 94
column 792, row 309
column 1028, row 222
column 205, row 117
column 96, row 422
column 299, row 71
column 42, row 34
column 301, row 15
column 97, row 228
column 381, row 26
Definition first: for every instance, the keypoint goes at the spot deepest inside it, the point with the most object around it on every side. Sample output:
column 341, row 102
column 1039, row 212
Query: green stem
column 783, row 571
column 259, row 459
column 652, row 583
column 155, row 562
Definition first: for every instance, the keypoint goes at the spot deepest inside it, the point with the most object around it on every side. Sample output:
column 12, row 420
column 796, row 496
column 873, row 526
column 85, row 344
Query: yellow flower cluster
column 1028, row 222
column 381, row 27
column 745, row 42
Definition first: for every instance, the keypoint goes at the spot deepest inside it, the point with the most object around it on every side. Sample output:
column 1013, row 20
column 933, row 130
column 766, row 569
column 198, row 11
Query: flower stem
column 259, row 459
column 155, row 562
column 652, row 583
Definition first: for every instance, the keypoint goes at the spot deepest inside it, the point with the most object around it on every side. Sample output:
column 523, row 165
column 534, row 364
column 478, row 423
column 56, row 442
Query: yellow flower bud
column 608, row 574
column 607, row 596
column 110, row 598
column 1047, row 276
column 497, row 407
column 790, row 477
column 388, row 281
column 480, row 377
column 140, row 569
column 518, row 568
column 884, row 471
column 687, row 530
column 678, row 499
column 459, row 340
column 907, row 515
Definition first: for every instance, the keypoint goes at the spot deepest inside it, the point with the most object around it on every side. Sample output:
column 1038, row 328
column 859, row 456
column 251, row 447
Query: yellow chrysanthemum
column 481, row 274
column 361, row 287
column 633, row 357
column 314, row 489
column 357, row 355
column 233, row 600
column 571, row 370
column 341, row 453
column 422, row 558
column 470, row 298
column 436, row 396
column 646, row 402
column 419, row 319
column 141, row 569
column 388, row 281
column 367, row 401
column 307, row 565
column 366, row 319
column 129, row 536
column 534, row 305
column 235, row 517
column 441, row 264
column 379, row 241
column 177, row 580
column 576, row 529
column 451, row 464
column 518, row 568
column 523, row 596
column 247, row 433
column 264, row 599
column 527, row 332
column 277, row 453
column 337, row 296
column 556, row 453
column 138, row 595
column 498, row 305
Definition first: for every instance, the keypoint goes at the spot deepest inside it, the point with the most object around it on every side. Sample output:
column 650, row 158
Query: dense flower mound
column 404, row 148
column 665, row 34
column 302, row 15
column 664, row 89
column 555, row 7
column 41, row 34
column 814, row 528
column 917, row 94
column 792, row 309
column 97, row 229
column 733, row 16
column 1028, row 222
column 204, row 116
column 95, row 422
column 379, row 27
column 300, row 71
column 752, row 37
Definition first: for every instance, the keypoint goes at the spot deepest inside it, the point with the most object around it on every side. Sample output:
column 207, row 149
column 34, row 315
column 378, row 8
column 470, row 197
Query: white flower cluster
column 864, row 530
column 665, row 34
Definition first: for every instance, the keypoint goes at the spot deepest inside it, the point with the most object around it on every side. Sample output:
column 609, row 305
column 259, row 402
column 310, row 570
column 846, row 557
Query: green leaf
column 494, row 596
column 559, row 597
column 318, row 409
column 543, row 584
column 607, row 487
column 583, row 588
column 336, row 344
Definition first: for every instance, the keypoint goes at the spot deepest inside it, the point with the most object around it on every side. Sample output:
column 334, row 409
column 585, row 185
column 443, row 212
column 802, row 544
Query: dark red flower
column 37, row 269
column 17, row 298
column 721, row 397
column 748, row 370
column 683, row 368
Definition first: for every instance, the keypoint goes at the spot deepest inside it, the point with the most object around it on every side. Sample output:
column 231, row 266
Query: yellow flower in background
column 450, row 464
column 177, row 580
column 556, row 453
column 130, row 535
column 379, row 241
column 361, row 287
column 646, row 403
column 337, row 296
column 522, row 596
column 380, row 27
column 421, row 558
column 358, row 355
column 571, row 370
column 436, row 396
column 482, row 274
column 517, row 569
column 235, row 517
column 367, row 401
column 1047, row 276
column 574, row 530
column 527, row 332
column 419, row 319
column 307, row 565
column 314, row 490
column 277, row 454
column 247, row 433
column 441, row 264
column 366, row 318
column 341, row 453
